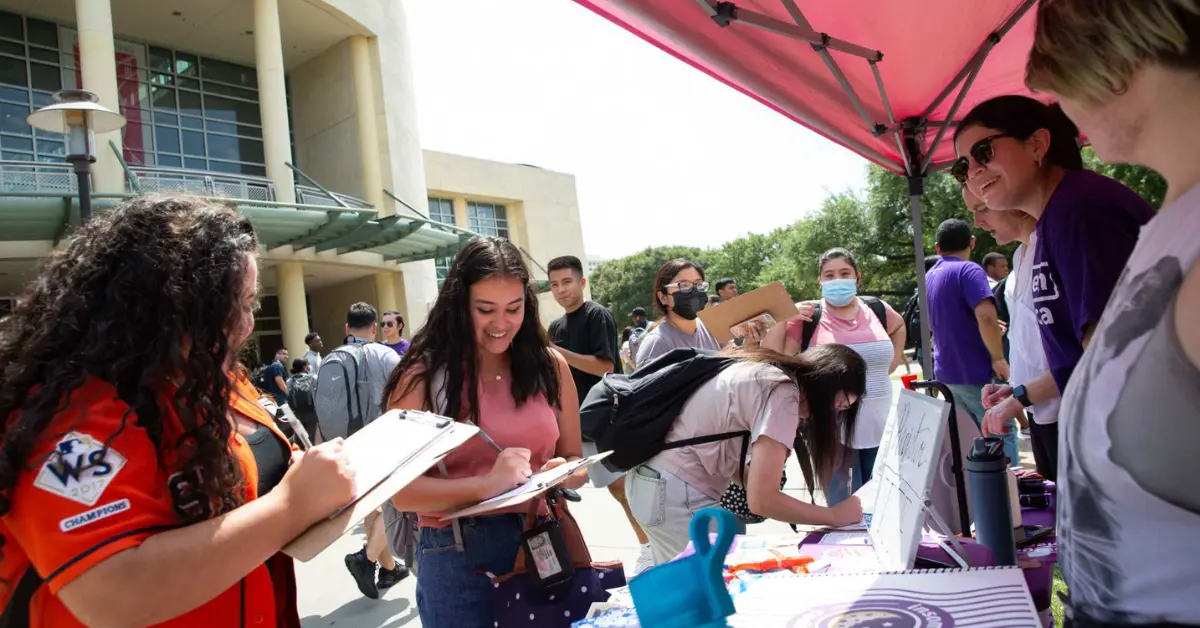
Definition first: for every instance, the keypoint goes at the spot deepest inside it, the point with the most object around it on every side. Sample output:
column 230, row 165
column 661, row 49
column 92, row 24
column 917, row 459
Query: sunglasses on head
column 981, row 151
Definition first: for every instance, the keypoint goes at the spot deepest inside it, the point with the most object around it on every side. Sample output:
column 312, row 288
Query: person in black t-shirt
column 587, row 337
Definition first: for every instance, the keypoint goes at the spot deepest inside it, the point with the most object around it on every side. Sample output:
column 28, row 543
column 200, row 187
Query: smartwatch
column 1022, row 396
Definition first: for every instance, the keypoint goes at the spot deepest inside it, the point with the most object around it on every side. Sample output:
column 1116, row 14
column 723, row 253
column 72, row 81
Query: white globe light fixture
column 78, row 115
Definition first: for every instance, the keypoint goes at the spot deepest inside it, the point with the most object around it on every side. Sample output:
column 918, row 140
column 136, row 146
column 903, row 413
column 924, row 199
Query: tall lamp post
column 79, row 115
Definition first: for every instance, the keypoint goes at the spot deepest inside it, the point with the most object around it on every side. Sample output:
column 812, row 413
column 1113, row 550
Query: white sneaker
column 645, row 560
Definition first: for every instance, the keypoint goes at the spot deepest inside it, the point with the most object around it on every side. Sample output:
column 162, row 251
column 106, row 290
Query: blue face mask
column 839, row 292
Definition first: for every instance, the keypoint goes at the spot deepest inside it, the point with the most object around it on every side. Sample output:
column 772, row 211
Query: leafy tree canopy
column 875, row 225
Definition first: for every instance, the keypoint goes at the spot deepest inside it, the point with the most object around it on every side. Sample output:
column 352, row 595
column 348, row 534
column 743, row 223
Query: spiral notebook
column 978, row 597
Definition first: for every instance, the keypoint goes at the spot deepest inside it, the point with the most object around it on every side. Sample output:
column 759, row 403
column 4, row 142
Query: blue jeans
column 861, row 462
column 970, row 398
column 450, row 592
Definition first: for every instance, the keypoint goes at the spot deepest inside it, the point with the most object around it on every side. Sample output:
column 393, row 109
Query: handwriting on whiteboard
column 912, row 438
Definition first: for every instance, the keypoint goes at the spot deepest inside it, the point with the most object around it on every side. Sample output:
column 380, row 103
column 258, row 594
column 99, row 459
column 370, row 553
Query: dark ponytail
column 1021, row 117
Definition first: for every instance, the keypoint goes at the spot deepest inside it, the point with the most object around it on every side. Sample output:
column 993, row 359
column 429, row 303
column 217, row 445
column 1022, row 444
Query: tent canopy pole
column 916, row 187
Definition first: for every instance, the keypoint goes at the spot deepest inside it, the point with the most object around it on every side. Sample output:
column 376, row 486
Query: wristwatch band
column 1022, row 396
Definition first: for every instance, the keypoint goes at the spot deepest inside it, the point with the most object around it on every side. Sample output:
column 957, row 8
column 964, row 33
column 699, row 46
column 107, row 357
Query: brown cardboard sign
column 741, row 316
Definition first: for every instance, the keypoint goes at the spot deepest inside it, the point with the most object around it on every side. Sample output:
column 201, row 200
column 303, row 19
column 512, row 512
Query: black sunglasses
column 981, row 151
column 389, row 323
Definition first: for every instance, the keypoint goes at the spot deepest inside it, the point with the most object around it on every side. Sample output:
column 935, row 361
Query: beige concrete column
column 293, row 314
column 368, row 131
column 460, row 212
column 272, row 97
column 98, row 61
column 385, row 291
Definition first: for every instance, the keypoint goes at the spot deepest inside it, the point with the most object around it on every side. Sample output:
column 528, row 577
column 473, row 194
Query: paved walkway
column 328, row 596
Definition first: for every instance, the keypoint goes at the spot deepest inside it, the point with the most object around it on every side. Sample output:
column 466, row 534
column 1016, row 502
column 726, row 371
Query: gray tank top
column 1129, row 450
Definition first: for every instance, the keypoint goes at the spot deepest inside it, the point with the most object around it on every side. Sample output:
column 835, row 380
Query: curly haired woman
column 140, row 481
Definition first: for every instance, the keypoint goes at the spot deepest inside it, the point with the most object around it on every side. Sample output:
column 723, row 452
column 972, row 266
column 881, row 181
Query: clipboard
column 537, row 484
column 410, row 443
column 771, row 299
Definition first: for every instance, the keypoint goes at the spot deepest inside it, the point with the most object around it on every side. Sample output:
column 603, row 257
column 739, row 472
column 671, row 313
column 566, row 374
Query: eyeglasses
column 981, row 151
column 389, row 323
column 684, row 286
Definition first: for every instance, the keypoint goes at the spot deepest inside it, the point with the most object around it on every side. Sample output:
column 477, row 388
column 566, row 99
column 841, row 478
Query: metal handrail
column 34, row 176
column 249, row 178
column 206, row 183
column 336, row 198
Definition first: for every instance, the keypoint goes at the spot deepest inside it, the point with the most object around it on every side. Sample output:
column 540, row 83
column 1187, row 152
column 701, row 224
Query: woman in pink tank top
column 483, row 357
column 875, row 331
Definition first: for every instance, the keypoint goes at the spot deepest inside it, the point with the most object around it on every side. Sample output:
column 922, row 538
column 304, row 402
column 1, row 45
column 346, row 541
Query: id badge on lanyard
column 547, row 559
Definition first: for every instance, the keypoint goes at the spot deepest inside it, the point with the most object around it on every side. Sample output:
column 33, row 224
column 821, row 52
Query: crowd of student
column 138, row 457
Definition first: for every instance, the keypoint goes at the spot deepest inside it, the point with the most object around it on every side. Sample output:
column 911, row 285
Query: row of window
column 488, row 219
column 183, row 110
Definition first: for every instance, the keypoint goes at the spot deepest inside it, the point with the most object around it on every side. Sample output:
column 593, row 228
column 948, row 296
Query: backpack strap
column 713, row 438
column 878, row 308
column 810, row 327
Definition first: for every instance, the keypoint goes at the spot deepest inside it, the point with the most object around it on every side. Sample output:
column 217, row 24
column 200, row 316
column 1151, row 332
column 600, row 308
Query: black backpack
column 301, row 391
column 912, row 322
column 259, row 377
column 632, row 414
column 810, row 327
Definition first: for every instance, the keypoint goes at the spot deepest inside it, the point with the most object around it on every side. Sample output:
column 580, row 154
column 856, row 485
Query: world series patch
column 79, row 469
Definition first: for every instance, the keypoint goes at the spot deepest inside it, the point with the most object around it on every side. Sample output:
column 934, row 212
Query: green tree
column 745, row 259
column 876, row 226
column 1146, row 182
column 623, row 284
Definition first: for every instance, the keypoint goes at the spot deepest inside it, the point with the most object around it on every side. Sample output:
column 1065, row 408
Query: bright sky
column 662, row 153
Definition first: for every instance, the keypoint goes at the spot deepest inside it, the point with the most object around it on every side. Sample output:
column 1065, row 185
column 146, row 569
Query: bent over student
column 142, row 482
column 780, row 399
column 482, row 356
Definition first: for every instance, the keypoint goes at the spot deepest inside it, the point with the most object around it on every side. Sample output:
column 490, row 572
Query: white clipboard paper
column 388, row 454
column 537, row 484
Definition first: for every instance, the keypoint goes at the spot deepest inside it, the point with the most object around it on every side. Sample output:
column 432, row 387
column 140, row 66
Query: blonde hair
column 1088, row 50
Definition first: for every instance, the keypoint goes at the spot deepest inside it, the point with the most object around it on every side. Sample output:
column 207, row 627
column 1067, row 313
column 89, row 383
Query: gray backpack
column 343, row 394
column 635, row 342
column 403, row 530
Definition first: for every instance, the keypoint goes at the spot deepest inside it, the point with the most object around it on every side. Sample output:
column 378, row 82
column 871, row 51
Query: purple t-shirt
column 956, row 287
column 1084, row 237
column 399, row 347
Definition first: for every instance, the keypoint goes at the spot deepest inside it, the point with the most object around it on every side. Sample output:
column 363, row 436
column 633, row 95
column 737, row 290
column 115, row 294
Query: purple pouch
column 517, row 601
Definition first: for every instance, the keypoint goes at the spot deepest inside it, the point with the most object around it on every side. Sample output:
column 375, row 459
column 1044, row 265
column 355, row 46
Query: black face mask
column 688, row 303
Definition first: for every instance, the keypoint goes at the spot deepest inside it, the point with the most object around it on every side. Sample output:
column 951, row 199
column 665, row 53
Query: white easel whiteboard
column 904, row 472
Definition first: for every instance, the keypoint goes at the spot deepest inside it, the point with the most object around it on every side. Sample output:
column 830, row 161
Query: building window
column 29, row 75
column 204, row 112
column 442, row 210
column 487, row 219
column 183, row 110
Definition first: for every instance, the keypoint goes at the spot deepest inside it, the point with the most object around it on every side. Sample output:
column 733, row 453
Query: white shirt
column 1027, row 358
column 314, row 360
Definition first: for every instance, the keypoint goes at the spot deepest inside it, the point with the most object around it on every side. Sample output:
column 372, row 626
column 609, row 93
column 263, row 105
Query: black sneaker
column 389, row 577
column 363, row 570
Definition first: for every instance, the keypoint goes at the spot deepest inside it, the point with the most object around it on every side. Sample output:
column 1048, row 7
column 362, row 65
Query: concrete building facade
column 298, row 112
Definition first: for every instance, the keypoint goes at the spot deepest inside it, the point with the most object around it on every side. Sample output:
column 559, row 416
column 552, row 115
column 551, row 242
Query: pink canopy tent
column 884, row 78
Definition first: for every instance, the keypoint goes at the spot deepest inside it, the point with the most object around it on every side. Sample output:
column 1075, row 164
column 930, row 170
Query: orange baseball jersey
column 76, row 504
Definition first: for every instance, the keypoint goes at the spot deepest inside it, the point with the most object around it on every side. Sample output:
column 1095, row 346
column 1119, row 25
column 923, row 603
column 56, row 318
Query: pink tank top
column 533, row 425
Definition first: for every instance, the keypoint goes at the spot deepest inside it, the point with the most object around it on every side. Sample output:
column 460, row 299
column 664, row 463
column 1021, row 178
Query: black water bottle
column 987, row 471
